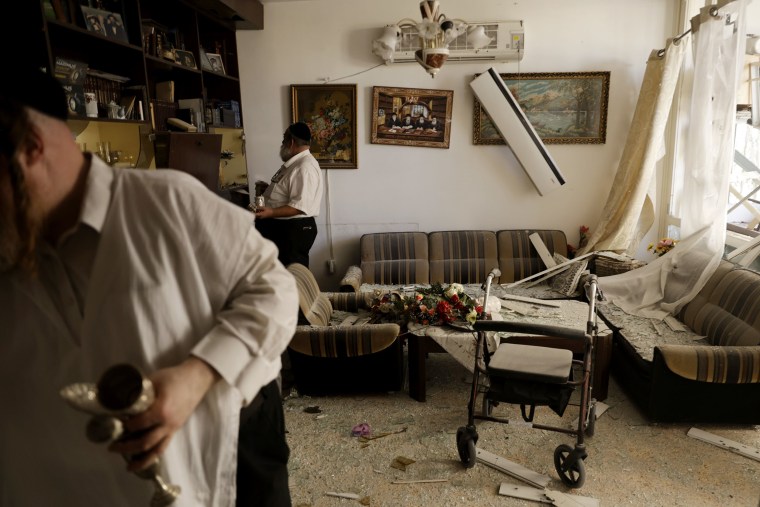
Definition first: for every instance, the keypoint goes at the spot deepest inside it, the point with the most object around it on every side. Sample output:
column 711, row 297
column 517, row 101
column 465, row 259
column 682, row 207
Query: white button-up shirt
column 157, row 269
column 298, row 183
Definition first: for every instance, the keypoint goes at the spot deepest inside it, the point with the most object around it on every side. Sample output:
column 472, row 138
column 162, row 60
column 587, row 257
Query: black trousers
column 293, row 237
column 262, row 473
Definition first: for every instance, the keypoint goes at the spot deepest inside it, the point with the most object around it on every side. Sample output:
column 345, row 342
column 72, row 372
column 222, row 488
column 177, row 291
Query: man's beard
column 10, row 242
column 284, row 153
column 18, row 232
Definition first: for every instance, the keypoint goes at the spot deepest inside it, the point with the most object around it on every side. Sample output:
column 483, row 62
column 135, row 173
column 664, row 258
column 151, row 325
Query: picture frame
column 330, row 112
column 411, row 116
column 563, row 107
column 185, row 58
column 106, row 23
column 215, row 63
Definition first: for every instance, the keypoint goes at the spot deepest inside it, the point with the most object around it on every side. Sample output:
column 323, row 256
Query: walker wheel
column 571, row 470
column 467, row 437
column 591, row 420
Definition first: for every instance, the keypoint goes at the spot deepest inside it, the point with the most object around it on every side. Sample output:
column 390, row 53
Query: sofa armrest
column 352, row 280
column 715, row 364
column 344, row 341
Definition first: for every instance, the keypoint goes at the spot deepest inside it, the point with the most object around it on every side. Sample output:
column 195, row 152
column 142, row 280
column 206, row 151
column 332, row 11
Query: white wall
column 465, row 186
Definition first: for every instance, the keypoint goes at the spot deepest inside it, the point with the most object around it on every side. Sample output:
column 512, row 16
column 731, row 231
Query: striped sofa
column 465, row 256
column 334, row 350
column 714, row 374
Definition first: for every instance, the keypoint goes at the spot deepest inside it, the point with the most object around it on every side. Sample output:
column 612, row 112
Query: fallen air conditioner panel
column 511, row 122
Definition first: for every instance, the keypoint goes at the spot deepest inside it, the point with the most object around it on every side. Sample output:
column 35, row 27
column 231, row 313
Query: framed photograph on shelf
column 330, row 112
column 108, row 24
column 411, row 116
column 563, row 107
column 215, row 63
column 185, row 58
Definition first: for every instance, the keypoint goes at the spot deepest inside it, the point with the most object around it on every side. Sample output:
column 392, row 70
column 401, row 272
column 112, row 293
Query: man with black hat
column 101, row 266
column 293, row 198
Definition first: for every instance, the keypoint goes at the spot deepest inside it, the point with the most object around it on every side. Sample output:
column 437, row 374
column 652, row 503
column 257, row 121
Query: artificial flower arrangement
column 663, row 246
column 435, row 305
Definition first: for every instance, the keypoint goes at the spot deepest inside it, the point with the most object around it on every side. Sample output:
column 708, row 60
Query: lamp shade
column 386, row 45
column 477, row 38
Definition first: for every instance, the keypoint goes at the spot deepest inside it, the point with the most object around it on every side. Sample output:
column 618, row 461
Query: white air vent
column 508, row 44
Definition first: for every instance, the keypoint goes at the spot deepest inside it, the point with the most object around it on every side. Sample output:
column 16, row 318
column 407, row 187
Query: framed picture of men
column 330, row 112
column 411, row 116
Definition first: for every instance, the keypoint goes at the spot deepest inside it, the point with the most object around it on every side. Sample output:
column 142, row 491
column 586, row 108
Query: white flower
column 454, row 288
column 472, row 316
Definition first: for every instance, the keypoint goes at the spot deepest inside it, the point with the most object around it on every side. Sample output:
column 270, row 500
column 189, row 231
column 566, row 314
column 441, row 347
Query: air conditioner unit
column 508, row 44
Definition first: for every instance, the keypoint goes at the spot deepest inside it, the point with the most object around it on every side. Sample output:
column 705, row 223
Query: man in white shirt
column 293, row 198
column 101, row 266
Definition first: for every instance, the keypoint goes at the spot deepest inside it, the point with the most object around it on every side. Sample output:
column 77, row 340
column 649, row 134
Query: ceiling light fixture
column 435, row 33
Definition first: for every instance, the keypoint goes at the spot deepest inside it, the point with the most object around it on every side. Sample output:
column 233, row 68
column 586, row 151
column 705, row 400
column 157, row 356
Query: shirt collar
column 298, row 156
column 97, row 195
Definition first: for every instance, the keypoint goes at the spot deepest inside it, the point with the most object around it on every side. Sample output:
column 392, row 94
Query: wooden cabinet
column 195, row 154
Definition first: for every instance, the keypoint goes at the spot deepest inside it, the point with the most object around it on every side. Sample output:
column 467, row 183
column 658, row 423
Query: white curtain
column 628, row 213
column 666, row 284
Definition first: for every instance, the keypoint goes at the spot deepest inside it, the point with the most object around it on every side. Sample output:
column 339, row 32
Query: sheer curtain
column 628, row 213
column 666, row 284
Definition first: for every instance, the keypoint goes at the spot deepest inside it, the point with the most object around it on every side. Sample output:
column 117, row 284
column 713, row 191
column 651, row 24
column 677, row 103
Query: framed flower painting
column 330, row 112
column 411, row 116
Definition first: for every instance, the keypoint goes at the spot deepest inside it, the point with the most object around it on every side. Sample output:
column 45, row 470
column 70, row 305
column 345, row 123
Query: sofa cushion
column 727, row 309
column 462, row 256
column 394, row 258
column 518, row 258
column 729, row 365
column 313, row 307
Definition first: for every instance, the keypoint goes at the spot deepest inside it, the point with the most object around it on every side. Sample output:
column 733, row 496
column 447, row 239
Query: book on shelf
column 137, row 96
column 165, row 91
column 72, row 74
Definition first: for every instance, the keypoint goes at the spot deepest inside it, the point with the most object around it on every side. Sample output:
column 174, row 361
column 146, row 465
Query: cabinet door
column 195, row 154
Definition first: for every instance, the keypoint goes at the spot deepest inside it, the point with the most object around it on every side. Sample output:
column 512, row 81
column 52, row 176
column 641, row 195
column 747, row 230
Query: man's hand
column 179, row 390
column 264, row 212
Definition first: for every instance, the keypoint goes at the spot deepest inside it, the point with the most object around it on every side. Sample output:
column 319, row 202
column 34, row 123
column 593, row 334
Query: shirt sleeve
column 257, row 322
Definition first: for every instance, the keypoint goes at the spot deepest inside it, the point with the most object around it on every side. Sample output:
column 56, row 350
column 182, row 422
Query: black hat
column 30, row 87
column 301, row 131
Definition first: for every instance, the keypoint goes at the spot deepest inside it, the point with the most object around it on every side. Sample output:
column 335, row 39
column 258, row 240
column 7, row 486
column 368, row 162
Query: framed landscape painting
column 411, row 117
column 563, row 107
column 330, row 112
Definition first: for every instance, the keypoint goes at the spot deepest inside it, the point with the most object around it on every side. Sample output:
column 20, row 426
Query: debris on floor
column 364, row 500
column 548, row 496
column 725, row 443
column 313, row 410
column 381, row 435
column 361, row 430
column 513, row 469
column 600, row 409
column 418, row 481
column 401, row 462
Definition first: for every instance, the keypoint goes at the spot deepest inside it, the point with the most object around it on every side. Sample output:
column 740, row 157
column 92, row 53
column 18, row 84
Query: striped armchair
column 714, row 382
column 334, row 350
